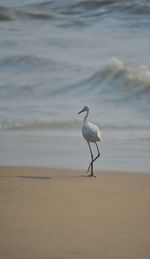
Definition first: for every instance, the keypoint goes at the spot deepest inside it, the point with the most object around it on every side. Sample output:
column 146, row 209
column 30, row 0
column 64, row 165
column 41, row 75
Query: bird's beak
column 81, row 111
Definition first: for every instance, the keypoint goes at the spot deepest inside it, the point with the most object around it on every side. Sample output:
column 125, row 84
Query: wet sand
column 60, row 214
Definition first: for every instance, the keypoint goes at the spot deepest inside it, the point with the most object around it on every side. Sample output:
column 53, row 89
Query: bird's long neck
column 87, row 113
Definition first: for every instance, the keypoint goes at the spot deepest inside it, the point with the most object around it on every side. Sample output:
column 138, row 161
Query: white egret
column 92, row 134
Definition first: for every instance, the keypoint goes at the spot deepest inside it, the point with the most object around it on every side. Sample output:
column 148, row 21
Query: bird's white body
column 91, row 132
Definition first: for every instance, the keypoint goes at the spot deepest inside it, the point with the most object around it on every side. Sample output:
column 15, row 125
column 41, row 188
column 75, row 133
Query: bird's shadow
column 34, row 177
column 52, row 177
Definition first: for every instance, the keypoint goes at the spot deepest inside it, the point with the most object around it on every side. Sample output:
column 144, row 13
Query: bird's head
column 85, row 109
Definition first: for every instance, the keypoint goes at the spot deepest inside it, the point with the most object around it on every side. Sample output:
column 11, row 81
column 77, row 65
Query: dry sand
column 58, row 214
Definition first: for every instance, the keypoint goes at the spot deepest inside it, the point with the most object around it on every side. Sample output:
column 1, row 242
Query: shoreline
column 57, row 171
column 58, row 213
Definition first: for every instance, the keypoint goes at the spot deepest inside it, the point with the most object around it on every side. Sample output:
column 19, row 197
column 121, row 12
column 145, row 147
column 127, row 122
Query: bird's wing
column 91, row 132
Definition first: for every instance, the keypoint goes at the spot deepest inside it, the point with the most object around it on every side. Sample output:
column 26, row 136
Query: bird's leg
column 91, row 164
column 93, row 160
column 98, row 155
column 89, row 167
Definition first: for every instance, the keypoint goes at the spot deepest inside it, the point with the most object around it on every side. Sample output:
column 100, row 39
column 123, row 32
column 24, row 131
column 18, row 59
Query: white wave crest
column 130, row 74
column 40, row 125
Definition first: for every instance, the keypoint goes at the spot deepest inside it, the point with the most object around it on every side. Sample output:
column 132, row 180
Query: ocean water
column 57, row 56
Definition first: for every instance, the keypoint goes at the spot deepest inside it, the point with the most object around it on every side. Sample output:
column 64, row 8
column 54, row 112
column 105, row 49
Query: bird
column 91, row 134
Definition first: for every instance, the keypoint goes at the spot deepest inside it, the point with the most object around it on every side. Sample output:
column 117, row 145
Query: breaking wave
column 49, row 10
column 129, row 75
column 115, row 78
column 12, row 13
column 40, row 125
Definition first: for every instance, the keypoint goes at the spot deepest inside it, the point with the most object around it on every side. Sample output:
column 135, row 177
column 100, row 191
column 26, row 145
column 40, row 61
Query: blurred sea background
column 57, row 56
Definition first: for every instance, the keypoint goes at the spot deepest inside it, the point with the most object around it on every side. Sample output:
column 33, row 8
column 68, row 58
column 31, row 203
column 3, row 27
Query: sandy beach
column 59, row 214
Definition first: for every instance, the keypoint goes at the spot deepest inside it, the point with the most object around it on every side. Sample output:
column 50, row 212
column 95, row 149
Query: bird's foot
column 91, row 175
